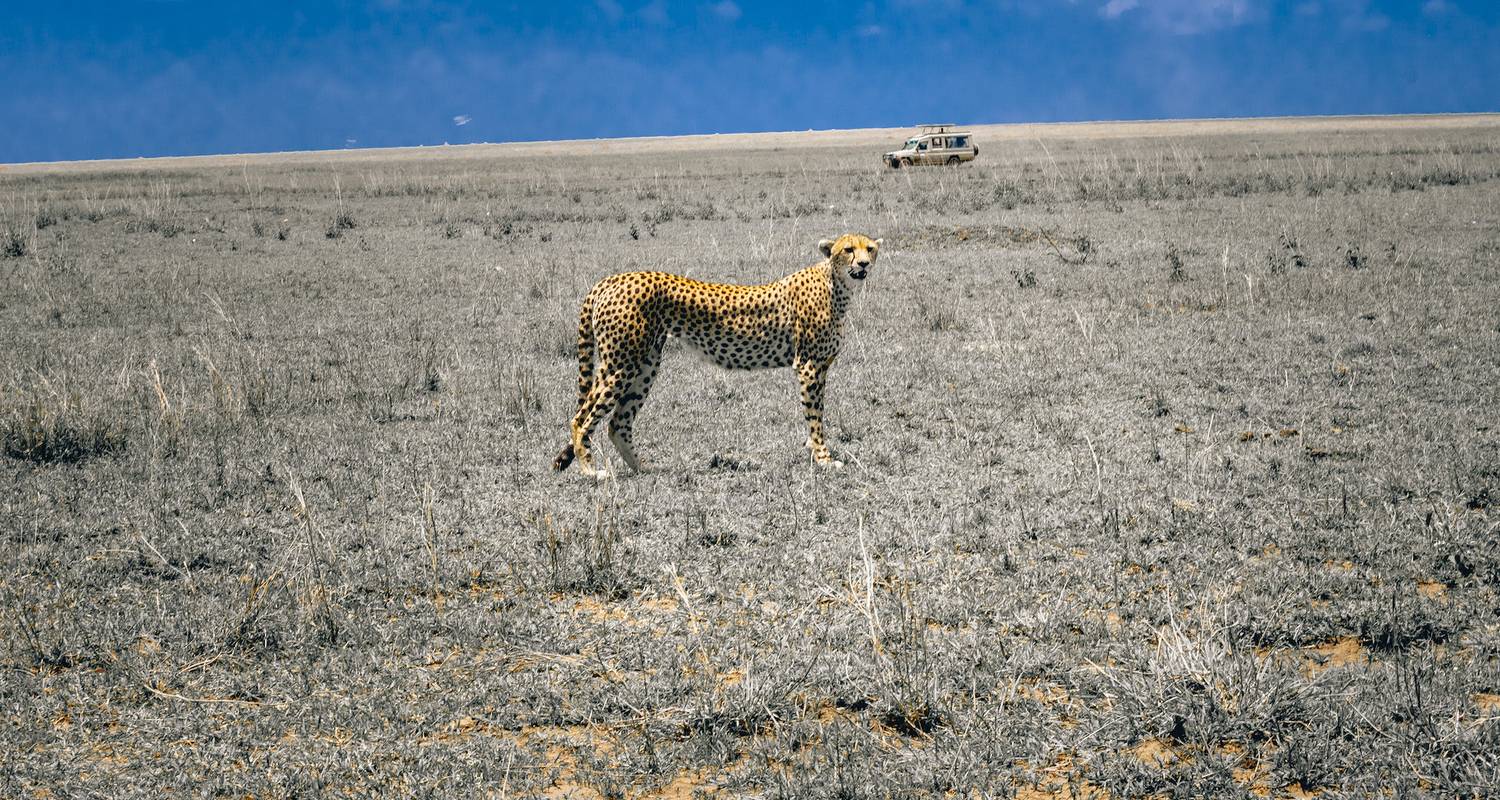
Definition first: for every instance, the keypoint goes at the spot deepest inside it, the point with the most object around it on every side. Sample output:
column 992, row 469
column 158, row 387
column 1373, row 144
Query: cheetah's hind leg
column 621, row 439
column 621, row 425
column 601, row 403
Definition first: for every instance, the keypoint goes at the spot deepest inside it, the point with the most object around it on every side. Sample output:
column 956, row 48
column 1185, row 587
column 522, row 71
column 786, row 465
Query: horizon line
column 355, row 152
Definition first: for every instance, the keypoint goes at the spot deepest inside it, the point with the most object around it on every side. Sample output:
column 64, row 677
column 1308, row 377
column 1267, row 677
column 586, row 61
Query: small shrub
column 155, row 225
column 343, row 222
column 1174, row 263
column 45, row 218
column 663, row 213
column 1354, row 258
column 52, row 428
column 452, row 231
column 1157, row 404
column 13, row 245
column 1008, row 194
column 1293, row 253
column 635, row 233
column 1025, row 280
column 916, row 719
column 1085, row 247
column 520, row 395
column 938, row 316
column 1275, row 263
column 588, row 559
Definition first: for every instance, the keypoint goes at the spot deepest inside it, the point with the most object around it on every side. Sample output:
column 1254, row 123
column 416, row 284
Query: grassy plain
column 1173, row 450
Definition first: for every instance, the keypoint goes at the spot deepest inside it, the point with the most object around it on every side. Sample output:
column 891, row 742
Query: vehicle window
column 921, row 145
column 962, row 141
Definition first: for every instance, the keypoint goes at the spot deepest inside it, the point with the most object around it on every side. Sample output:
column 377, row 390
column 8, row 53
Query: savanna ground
column 1173, row 454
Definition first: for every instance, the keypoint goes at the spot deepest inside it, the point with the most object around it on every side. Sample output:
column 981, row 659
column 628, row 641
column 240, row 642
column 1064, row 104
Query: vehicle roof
column 944, row 130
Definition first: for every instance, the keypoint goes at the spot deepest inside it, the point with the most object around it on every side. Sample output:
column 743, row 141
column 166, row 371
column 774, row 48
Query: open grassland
column 1173, row 454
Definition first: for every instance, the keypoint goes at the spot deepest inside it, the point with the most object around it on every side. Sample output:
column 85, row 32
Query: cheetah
column 793, row 322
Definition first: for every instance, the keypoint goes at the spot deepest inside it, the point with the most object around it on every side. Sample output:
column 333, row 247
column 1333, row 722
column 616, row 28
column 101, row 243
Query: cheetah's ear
column 880, row 242
column 826, row 247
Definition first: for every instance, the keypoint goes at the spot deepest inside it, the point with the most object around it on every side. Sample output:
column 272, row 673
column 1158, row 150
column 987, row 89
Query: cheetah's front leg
column 814, row 376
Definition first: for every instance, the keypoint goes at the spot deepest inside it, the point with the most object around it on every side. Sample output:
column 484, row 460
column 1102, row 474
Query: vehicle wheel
column 894, row 164
column 952, row 160
column 905, row 162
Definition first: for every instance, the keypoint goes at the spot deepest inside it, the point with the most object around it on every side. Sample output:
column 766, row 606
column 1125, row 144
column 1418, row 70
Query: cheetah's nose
column 863, row 264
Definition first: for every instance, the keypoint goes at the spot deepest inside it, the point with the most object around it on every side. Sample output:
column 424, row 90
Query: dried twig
column 225, row 700
column 1058, row 250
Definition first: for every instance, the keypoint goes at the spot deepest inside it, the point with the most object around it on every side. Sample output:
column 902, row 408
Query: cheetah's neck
column 840, row 294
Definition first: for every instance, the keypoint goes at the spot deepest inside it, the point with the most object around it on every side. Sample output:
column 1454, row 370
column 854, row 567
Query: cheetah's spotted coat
column 626, row 318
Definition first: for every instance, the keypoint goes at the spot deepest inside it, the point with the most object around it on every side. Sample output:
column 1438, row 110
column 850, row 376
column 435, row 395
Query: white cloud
column 930, row 5
column 727, row 10
column 871, row 31
column 610, row 9
column 1356, row 15
column 654, row 12
column 462, row 119
column 1434, row 8
column 1184, row 17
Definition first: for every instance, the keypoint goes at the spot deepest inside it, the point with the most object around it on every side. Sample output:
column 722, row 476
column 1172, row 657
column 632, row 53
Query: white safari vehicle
column 934, row 144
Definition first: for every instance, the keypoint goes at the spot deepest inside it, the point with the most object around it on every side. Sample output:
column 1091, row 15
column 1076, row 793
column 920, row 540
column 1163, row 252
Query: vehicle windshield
column 911, row 144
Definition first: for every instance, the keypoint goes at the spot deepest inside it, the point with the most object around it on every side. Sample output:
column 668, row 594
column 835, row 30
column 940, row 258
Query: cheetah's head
column 851, row 255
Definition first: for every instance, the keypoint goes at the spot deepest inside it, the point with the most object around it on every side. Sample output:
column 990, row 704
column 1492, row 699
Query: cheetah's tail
column 585, row 374
column 564, row 458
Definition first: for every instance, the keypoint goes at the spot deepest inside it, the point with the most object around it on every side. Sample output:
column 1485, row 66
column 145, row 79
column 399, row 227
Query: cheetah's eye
column 849, row 249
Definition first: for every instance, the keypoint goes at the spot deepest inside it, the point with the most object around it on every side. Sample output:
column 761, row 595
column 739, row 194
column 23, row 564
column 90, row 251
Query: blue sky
column 123, row 79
